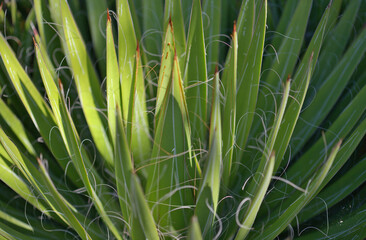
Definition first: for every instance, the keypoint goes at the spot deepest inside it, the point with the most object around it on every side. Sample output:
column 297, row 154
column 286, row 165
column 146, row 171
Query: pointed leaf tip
column 330, row 3
column 288, row 78
column 339, row 143
column 170, row 20
column 35, row 32
column 108, row 16
column 39, row 161
column 233, row 35
column 61, row 86
column 34, row 42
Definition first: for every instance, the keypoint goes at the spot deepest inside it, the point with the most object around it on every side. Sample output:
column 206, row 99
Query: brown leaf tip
column 34, row 29
column 288, row 78
column 60, row 85
column 39, row 160
column 234, row 28
column 216, row 69
column 1, row 5
column 34, row 42
column 108, row 16
column 170, row 20
column 137, row 46
column 340, row 142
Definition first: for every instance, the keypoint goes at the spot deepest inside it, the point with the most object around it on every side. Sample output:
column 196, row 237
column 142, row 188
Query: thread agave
column 170, row 147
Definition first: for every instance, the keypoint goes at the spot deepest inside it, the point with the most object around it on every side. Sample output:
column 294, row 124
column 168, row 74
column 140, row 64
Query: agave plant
column 146, row 120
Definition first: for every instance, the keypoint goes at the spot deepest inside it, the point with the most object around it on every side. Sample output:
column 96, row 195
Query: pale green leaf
column 229, row 80
column 87, row 84
column 194, row 231
column 114, row 97
column 173, row 15
column 256, row 201
column 137, row 122
column 208, row 193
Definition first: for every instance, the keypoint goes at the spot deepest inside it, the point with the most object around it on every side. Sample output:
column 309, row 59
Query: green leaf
column 152, row 28
column 173, row 15
column 292, row 114
column 229, row 80
column 15, row 182
column 133, row 13
column 303, row 168
column 138, row 128
column 41, row 43
column 329, row 92
column 114, row 97
column 282, row 65
column 249, row 67
column 269, row 147
column 335, row 43
column 195, row 75
column 87, row 84
column 334, row 13
column 43, row 184
column 86, row 171
column 166, row 67
column 208, row 193
column 165, row 77
column 287, row 53
column 278, row 224
column 36, row 107
column 15, row 221
column 97, row 16
column 286, row 16
column 62, row 116
column 127, row 44
column 300, row 86
column 257, row 200
column 7, row 233
column 255, row 179
column 13, row 11
column 335, row 192
column 132, row 201
column 351, row 226
column 194, row 231
column 212, row 27
column 37, row 226
column 16, row 126
column 39, row 17
column 169, row 184
column 64, row 206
